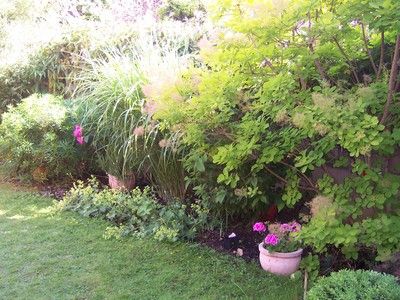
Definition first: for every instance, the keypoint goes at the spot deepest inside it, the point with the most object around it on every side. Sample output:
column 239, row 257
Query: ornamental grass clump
column 281, row 237
column 111, row 110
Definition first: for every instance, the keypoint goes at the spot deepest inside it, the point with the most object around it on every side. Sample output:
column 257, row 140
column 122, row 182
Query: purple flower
column 80, row 140
column 78, row 131
column 78, row 134
column 271, row 239
column 285, row 227
column 259, row 227
column 354, row 23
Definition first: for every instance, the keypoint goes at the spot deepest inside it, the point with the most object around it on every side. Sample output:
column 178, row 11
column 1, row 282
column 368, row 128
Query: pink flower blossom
column 285, row 227
column 138, row 131
column 147, row 90
column 78, row 131
column 78, row 134
column 80, row 140
column 204, row 43
column 271, row 239
column 259, row 227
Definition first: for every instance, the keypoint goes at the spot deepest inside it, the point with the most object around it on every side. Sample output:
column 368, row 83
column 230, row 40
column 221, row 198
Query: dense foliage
column 358, row 284
column 136, row 213
column 35, row 140
column 296, row 100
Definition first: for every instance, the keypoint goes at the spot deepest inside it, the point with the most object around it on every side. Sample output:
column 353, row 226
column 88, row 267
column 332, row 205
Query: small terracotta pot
column 279, row 263
column 122, row 184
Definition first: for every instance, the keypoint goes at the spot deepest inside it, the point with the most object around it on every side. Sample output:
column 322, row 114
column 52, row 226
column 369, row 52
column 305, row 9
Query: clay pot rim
column 127, row 177
column 265, row 252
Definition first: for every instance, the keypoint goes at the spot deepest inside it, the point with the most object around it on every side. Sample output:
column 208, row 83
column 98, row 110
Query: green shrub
column 282, row 102
column 180, row 9
column 352, row 285
column 136, row 213
column 36, row 140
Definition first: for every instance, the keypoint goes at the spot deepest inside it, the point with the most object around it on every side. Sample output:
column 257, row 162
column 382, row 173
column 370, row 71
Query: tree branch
column 286, row 182
column 382, row 55
column 394, row 71
column 312, row 185
column 317, row 63
column 353, row 69
column 367, row 48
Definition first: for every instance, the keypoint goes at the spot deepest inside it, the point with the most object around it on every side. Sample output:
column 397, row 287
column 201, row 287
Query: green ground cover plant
column 137, row 212
column 63, row 256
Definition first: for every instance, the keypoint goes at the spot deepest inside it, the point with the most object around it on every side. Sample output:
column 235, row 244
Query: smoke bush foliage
column 288, row 89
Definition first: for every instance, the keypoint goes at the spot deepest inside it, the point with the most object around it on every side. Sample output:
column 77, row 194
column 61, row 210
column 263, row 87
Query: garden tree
column 288, row 87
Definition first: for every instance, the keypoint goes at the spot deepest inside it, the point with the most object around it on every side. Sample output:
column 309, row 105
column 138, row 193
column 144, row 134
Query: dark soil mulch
column 246, row 241
column 54, row 191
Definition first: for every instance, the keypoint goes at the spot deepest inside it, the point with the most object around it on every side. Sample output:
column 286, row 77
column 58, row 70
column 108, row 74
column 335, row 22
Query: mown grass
column 44, row 255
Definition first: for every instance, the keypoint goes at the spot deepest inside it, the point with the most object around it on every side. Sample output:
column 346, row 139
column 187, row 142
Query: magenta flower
column 78, row 131
column 80, row 140
column 259, row 227
column 285, row 227
column 78, row 134
column 271, row 239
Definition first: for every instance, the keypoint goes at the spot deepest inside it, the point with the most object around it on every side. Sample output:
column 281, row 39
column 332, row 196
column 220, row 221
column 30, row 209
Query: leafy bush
column 36, row 140
column 282, row 96
column 180, row 9
column 349, row 285
column 136, row 210
column 136, row 213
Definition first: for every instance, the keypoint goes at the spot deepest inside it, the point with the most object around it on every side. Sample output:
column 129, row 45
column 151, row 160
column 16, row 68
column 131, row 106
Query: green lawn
column 63, row 256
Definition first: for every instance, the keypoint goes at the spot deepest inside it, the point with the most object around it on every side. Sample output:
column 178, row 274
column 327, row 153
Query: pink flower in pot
column 280, row 252
column 259, row 227
column 271, row 239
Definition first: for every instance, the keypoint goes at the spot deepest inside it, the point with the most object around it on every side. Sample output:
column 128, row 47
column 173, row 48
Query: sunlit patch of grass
column 18, row 217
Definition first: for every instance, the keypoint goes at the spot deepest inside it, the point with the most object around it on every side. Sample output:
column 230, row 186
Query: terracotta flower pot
column 279, row 263
column 125, row 184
